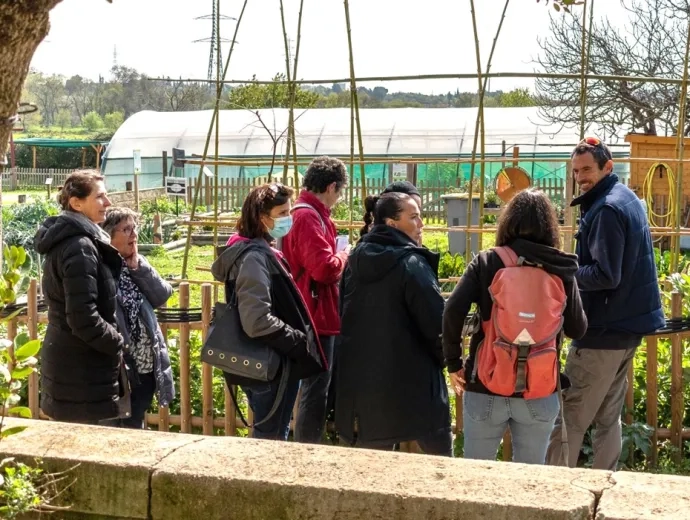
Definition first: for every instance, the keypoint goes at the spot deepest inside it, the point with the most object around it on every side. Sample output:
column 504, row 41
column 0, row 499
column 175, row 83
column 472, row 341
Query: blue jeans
column 311, row 416
column 261, row 398
column 486, row 417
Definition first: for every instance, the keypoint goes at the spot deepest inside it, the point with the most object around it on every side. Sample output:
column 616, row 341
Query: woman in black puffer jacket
column 82, row 349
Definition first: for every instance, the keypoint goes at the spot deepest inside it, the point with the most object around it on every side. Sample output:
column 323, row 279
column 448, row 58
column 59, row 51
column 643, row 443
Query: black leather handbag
column 246, row 361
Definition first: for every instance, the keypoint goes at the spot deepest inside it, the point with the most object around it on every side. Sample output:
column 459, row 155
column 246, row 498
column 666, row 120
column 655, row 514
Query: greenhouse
column 386, row 133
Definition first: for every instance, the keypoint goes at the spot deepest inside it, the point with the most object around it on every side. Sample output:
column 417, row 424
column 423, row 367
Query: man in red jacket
column 310, row 249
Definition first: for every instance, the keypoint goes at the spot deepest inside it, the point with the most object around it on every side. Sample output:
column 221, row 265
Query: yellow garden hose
column 667, row 219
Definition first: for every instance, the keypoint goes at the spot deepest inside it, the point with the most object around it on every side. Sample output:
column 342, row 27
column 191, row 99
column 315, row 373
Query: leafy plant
column 17, row 362
column 20, row 221
column 15, row 274
column 19, row 493
column 22, row 488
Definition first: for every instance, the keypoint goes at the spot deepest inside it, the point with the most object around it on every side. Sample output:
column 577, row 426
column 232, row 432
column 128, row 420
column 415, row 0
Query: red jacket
column 310, row 249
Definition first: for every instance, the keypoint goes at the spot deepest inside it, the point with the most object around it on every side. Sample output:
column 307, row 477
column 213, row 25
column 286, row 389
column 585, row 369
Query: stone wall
column 126, row 198
column 144, row 474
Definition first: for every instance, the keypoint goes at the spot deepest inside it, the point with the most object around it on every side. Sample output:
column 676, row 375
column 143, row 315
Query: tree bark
column 23, row 25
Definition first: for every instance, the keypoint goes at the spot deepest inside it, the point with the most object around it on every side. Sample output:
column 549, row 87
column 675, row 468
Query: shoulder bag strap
column 282, row 387
column 304, row 205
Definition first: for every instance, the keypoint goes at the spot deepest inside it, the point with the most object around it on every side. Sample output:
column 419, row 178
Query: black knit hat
column 401, row 187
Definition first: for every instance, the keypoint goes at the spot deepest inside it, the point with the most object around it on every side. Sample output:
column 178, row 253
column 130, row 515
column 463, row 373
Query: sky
column 390, row 37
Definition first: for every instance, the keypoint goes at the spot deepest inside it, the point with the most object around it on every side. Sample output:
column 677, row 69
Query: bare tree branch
column 650, row 45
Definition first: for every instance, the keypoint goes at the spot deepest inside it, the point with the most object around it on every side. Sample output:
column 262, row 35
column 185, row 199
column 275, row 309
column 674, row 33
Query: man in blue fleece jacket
column 620, row 293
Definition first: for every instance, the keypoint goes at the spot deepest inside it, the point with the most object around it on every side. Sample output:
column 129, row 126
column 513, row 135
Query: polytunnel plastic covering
column 390, row 132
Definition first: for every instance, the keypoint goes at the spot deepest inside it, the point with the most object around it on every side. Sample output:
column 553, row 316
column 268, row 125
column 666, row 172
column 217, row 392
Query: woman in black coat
column 389, row 376
column 80, row 358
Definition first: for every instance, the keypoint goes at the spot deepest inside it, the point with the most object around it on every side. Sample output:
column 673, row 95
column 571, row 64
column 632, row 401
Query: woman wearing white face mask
column 270, row 306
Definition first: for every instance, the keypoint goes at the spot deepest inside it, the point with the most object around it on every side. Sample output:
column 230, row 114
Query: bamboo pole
column 355, row 102
column 675, row 241
column 459, row 76
column 479, row 124
column 655, row 231
column 216, row 110
column 470, row 186
column 352, row 158
column 291, row 100
column 584, row 67
column 216, row 176
column 294, row 90
column 416, row 160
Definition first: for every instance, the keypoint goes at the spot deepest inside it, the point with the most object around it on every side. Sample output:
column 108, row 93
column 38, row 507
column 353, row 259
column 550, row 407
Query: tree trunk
column 23, row 25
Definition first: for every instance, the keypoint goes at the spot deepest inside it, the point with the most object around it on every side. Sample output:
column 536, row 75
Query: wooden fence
column 31, row 178
column 232, row 192
column 187, row 319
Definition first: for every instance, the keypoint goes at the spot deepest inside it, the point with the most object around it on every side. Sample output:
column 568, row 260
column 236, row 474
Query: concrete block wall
column 149, row 475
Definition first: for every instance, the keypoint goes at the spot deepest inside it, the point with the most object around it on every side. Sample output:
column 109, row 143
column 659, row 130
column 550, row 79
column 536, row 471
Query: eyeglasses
column 130, row 230
column 596, row 142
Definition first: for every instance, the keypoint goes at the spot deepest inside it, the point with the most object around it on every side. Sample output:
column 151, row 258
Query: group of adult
column 366, row 325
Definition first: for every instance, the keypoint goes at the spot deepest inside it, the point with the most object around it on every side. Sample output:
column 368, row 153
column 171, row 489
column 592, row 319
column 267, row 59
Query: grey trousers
column 598, row 386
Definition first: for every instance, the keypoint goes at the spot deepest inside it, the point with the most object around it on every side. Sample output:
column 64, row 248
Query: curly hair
column 323, row 171
column 530, row 216
column 79, row 184
column 260, row 201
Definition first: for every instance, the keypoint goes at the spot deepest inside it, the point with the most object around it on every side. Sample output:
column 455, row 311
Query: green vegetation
column 23, row 488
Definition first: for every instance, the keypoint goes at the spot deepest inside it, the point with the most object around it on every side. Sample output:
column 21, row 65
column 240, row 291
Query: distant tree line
column 101, row 106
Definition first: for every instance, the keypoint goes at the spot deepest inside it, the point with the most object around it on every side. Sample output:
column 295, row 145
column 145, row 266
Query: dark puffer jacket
column 80, row 358
column 389, row 374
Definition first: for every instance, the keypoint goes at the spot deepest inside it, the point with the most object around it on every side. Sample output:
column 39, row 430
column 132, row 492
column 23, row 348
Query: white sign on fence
column 176, row 186
column 137, row 162
column 399, row 172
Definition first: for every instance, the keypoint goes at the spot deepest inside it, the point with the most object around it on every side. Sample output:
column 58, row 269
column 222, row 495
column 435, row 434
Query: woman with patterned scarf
column 140, row 291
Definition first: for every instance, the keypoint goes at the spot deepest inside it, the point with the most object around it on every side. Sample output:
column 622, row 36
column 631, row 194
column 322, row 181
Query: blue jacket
column 617, row 274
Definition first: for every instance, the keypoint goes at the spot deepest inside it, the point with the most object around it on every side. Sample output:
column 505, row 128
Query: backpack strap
column 508, row 256
column 304, row 205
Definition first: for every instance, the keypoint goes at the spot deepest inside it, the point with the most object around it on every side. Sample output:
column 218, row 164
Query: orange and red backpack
column 519, row 353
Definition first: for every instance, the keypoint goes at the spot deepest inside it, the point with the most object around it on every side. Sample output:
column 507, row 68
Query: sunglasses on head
column 271, row 190
column 596, row 142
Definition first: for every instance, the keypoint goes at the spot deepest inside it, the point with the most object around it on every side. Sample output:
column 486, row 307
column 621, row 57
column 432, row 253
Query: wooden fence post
column 185, row 398
column 677, row 380
column 164, row 411
column 32, row 315
column 653, row 395
column 206, row 369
